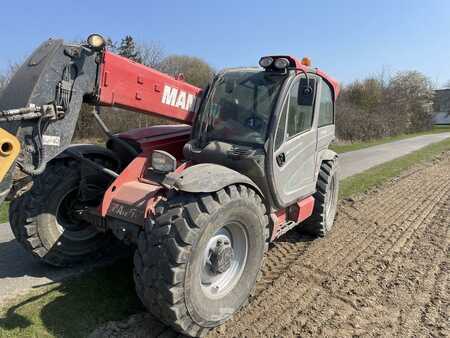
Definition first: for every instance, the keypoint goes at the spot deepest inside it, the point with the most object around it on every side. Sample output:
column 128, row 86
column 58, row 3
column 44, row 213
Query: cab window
column 279, row 138
column 301, row 104
column 326, row 110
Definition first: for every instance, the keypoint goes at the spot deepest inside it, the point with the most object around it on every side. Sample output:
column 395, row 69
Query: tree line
column 375, row 107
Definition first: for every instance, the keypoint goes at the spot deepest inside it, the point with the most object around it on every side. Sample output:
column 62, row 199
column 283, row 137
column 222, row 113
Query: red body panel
column 136, row 87
column 305, row 208
column 147, row 136
column 130, row 189
column 296, row 213
column 333, row 82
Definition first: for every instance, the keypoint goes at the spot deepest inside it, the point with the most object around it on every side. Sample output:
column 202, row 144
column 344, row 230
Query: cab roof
column 297, row 63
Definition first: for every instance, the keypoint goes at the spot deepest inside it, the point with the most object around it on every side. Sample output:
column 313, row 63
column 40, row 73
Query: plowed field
column 383, row 270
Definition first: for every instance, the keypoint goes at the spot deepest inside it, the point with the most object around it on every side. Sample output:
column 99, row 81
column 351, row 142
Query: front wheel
column 198, row 262
column 43, row 218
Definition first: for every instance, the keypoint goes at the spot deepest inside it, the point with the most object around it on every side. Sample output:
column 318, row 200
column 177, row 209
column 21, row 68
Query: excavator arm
column 40, row 106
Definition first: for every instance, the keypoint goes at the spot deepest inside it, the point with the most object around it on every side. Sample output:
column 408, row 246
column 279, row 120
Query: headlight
column 163, row 162
column 281, row 63
column 96, row 41
column 265, row 61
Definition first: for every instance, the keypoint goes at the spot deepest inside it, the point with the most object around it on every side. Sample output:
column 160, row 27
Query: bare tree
column 195, row 70
column 3, row 81
column 151, row 53
column 127, row 48
column 6, row 77
column 375, row 108
column 411, row 94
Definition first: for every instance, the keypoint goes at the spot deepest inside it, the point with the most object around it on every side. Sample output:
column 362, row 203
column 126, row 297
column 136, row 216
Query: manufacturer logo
column 179, row 99
column 126, row 212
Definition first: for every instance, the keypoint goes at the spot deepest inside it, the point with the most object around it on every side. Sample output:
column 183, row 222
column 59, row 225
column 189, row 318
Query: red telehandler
column 200, row 201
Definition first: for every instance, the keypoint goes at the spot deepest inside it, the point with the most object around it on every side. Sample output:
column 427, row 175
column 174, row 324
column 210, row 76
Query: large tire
column 42, row 222
column 326, row 196
column 174, row 274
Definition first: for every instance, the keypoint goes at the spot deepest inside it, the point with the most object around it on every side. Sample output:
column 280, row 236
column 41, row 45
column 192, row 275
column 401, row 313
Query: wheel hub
column 224, row 260
column 221, row 257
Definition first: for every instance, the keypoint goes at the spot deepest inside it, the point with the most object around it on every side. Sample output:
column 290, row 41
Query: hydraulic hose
column 29, row 168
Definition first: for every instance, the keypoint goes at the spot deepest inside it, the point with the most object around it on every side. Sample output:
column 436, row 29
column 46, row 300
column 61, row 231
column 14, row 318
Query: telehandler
column 201, row 203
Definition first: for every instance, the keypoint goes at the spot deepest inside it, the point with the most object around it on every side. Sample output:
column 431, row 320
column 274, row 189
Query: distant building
column 441, row 106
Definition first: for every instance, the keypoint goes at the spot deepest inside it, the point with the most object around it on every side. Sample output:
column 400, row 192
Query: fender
column 327, row 155
column 207, row 177
column 89, row 149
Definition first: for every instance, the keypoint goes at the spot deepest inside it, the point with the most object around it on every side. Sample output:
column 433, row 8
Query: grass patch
column 343, row 148
column 375, row 176
column 75, row 307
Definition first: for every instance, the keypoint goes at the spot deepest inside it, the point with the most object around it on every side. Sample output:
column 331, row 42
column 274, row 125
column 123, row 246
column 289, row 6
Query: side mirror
column 306, row 92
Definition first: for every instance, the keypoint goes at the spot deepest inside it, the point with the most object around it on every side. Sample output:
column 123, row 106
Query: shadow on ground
column 101, row 302
column 16, row 262
column 75, row 307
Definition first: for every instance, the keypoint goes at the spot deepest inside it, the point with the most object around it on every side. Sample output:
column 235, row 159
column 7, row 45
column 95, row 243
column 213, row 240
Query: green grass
column 343, row 148
column 75, row 307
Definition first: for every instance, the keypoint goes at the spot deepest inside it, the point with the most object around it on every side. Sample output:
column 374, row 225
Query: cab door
column 293, row 155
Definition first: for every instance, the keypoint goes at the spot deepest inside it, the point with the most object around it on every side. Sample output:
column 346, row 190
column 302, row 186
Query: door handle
column 281, row 159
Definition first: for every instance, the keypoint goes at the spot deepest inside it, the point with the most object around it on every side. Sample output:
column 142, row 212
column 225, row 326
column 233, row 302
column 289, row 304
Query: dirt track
column 383, row 270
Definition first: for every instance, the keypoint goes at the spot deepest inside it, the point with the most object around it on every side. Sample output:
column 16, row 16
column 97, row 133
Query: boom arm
column 133, row 86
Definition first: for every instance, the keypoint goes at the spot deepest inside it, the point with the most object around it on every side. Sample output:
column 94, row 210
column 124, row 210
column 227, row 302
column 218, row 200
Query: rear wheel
column 43, row 218
column 199, row 261
column 326, row 197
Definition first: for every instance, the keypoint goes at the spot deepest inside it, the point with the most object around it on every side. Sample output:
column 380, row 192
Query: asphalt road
column 19, row 272
column 355, row 162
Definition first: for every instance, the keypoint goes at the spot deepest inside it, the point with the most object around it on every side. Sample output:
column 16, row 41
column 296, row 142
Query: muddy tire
column 43, row 224
column 326, row 196
column 198, row 262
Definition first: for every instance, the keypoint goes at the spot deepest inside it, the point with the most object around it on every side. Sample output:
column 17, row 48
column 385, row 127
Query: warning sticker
column 50, row 140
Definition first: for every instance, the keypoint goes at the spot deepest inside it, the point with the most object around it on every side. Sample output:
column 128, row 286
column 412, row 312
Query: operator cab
column 269, row 124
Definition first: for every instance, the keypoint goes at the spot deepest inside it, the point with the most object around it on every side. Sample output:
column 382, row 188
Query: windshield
column 239, row 106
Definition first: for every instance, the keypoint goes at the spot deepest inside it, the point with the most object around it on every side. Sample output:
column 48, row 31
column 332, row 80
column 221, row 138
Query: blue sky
column 348, row 39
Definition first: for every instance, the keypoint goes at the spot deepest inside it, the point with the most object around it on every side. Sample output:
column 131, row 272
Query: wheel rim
column 224, row 260
column 67, row 224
